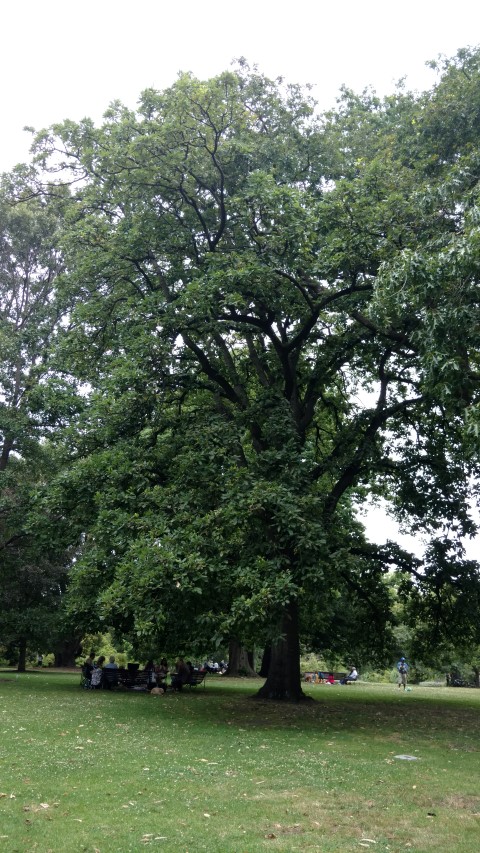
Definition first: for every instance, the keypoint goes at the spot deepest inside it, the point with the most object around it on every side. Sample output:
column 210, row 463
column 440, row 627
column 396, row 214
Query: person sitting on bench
column 352, row 676
column 181, row 675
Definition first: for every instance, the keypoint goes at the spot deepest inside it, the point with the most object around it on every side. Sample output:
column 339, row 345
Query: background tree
column 33, row 401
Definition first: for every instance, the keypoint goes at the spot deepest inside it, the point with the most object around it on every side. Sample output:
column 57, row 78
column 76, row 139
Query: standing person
column 402, row 667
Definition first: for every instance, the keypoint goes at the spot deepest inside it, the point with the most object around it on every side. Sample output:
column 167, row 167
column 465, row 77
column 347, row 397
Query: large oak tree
column 272, row 306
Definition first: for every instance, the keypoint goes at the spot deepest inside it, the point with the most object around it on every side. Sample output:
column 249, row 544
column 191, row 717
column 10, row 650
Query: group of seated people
column 97, row 673
column 178, row 678
column 329, row 678
column 320, row 677
column 215, row 667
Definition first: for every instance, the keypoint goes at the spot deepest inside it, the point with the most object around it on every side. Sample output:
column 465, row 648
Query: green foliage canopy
column 271, row 311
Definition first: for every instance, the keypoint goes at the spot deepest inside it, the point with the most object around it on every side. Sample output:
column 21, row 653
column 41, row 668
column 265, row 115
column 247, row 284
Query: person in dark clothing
column 88, row 666
column 181, row 675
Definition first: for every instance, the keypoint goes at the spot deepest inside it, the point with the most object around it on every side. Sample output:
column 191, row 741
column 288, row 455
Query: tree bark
column 284, row 680
column 238, row 660
column 22, row 654
column 67, row 651
column 266, row 658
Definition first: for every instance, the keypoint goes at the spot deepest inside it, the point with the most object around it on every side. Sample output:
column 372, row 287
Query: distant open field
column 210, row 769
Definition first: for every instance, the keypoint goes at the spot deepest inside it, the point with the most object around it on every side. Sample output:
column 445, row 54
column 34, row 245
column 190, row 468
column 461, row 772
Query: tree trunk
column 266, row 658
column 4, row 457
column 238, row 662
column 67, row 651
column 476, row 671
column 284, row 680
column 22, row 654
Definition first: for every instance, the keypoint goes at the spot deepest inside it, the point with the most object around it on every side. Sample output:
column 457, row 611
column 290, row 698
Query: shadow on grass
column 228, row 702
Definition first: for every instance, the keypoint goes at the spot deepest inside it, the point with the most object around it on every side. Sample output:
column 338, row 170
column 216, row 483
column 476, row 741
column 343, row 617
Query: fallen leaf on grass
column 270, row 835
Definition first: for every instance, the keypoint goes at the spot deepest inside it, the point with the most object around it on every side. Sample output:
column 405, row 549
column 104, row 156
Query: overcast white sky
column 63, row 60
column 67, row 60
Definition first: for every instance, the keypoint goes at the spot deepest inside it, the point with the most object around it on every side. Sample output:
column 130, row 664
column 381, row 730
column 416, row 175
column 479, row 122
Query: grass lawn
column 213, row 770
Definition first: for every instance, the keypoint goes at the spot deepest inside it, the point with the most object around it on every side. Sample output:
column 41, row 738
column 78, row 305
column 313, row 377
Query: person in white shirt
column 352, row 676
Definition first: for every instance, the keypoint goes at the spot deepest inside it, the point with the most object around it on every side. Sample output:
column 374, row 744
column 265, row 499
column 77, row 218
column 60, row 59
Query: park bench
column 135, row 680
column 127, row 679
column 197, row 677
column 456, row 681
column 123, row 678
